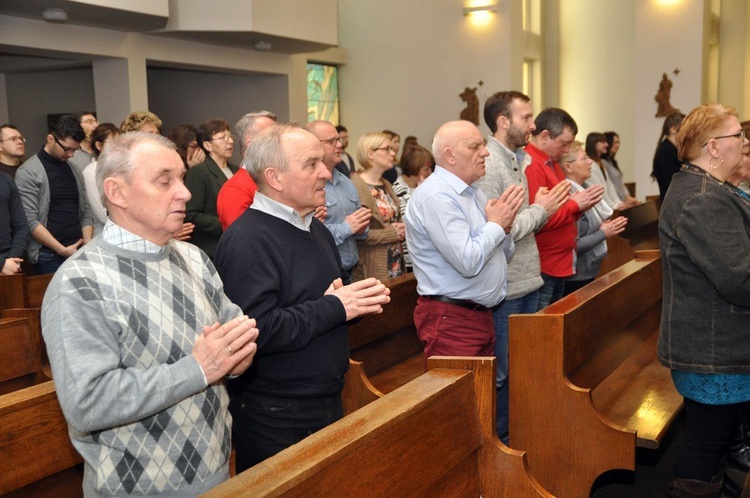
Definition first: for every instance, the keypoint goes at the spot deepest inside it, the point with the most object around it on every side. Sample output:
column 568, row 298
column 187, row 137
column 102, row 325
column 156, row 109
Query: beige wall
column 611, row 62
column 409, row 60
column 597, row 76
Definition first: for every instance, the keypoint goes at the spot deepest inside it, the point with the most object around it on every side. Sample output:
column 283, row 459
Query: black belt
column 469, row 305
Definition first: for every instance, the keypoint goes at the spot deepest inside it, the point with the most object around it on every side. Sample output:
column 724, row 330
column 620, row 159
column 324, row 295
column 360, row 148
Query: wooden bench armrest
column 358, row 391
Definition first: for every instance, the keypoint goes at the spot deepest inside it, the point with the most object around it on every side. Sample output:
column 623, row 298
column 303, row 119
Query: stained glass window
column 322, row 93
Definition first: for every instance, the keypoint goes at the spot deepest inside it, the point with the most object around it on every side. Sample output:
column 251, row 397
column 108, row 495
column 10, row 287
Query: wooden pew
column 387, row 343
column 23, row 291
column 21, row 357
column 619, row 252
column 586, row 387
column 38, row 458
column 432, row 437
column 642, row 230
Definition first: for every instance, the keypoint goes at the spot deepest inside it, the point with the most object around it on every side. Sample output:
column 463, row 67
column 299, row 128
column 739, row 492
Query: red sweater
column 557, row 238
column 235, row 196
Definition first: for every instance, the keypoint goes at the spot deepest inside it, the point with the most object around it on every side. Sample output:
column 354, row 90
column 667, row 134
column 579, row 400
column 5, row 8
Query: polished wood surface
column 619, row 252
column 34, row 441
column 36, row 286
column 23, row 291
column 642, row 230
column 432, row 437
column 586, row 386
column 21, row 357
column 11, row 291
column 386, row 344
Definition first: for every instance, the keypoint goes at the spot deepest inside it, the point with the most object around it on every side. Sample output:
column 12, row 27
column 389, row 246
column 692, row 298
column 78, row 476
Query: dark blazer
column 204, row 182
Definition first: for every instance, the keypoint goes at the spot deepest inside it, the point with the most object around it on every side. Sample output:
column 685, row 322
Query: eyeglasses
column 14, row 139
column 90, row 121
column 332, row 141
column 225, row 138
column 584, row 158
column 67, row 150
column 740, row 135
column 389, row 149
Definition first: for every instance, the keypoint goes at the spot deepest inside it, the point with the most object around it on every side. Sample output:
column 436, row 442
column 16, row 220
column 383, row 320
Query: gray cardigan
column 33, row 185
column 502, row 171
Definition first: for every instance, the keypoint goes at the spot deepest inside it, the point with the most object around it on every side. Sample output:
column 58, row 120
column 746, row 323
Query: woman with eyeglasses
column 705, row 317
column 594, row 225
column 380, row 254
column 206, row 179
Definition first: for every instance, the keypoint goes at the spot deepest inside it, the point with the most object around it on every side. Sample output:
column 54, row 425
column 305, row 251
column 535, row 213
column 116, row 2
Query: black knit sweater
column 278, row 274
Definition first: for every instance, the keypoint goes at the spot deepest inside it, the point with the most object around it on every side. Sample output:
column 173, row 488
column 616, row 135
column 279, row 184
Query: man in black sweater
column 281, row 266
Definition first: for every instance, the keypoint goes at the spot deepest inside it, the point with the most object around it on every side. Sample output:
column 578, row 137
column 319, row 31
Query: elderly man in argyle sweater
column 140, row 335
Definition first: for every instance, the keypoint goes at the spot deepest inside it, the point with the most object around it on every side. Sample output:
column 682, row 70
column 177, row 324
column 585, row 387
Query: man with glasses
column 12, row 149
column 54, row 198
column 345, row 217
column 85, row 154
column 556, row 241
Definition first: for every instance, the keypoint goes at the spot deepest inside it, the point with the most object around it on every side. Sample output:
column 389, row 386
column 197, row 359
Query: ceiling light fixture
column 263, row 46
column 55, row 15
column 483, row 8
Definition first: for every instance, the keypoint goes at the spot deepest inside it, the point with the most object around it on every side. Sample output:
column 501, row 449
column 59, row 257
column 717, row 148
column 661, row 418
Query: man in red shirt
column 237, row 193
column 555, row 131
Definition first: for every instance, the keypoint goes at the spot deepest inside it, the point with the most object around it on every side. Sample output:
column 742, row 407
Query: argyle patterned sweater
column 119, row 327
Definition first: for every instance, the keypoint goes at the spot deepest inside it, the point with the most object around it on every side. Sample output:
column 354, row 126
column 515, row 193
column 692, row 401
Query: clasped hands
column 226, row 349
column 360, row 298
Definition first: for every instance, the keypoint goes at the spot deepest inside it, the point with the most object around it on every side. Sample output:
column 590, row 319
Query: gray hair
column 246, row 126
column 267, row 151
column 117, row 158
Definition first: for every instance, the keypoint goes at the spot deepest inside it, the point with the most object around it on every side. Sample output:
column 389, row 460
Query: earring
column 710, row 161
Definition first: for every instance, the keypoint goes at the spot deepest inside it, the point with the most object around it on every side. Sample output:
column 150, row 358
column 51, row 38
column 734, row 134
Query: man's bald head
column 458, row 146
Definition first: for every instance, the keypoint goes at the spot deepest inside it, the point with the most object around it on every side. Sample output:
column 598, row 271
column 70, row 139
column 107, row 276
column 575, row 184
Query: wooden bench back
column 34, row 441
column 23, row 291
column 619, row 252
column 19, row 355
column 36, row 286
column 426, row 438
column 599, row 318
column 585, row 383
column 389, row 338
column 642, row 229
column 11, row 291
column 34, row 317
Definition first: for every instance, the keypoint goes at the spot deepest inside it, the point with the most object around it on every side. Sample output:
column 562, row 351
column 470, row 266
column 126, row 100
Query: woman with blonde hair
column 141, row 121
column 380, row 254
column 705, row 316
